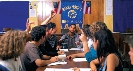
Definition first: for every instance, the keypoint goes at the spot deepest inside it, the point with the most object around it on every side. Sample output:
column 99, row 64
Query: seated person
column 89, row 53
column 108, row 56
column 32, row 57
column 50, row 45
column 129, row 40
column 71, row 38
column 11, row 46
column 86, row 31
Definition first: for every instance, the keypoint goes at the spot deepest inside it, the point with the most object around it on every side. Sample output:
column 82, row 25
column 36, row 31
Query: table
column 70, row 63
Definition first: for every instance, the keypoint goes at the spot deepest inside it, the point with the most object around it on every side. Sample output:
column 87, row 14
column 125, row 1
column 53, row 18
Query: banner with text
column 72, row 13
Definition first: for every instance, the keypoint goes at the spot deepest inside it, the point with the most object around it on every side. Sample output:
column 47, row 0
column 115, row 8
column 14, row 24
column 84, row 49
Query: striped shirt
column 70, row 40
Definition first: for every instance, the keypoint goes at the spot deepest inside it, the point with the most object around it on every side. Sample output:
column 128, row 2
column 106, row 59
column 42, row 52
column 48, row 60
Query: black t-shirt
column 49, row 46
column 29, row 56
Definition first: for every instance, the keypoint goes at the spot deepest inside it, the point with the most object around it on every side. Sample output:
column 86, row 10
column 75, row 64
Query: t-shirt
column 29, row 56
column 49, row 46
column 11, row 64
column 70, row 40
column 91, row 55
column 90, row 43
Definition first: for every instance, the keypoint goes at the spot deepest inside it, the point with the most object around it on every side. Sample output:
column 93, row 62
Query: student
column 50, row 45
column 32, row 58
column 87, row 34
column 107, row 52
column 71, row 37
column 89, row 53
column 86, row 31
column 130, row 43
column 11, row 46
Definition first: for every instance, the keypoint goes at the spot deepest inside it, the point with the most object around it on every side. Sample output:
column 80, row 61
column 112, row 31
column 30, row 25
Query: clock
column 72, row 14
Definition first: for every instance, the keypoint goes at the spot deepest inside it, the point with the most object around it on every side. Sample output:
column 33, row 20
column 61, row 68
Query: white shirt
column 11, row 64
column 90, row 43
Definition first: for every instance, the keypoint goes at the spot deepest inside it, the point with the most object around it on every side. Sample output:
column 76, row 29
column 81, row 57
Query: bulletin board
column 13, row 14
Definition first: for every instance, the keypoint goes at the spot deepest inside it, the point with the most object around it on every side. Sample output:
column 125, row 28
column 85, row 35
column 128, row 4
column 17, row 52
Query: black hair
column 73, row 24
column 86, row 30
column 106, row 43
column 51, row 25
column 37, row 33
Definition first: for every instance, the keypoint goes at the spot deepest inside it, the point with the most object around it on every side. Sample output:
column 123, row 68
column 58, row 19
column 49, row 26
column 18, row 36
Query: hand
column 71, row 56
column 76, row 69
column 53, row 13
column 83, row 37
column 93, row 69
column 60, row 52
column 54, row 59
column 28, row 25
column 58, row 47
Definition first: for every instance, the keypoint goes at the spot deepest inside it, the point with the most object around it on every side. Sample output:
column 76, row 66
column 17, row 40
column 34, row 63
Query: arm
column 112, row 62
column 28, row 27
column 83, row 38
column 45, row 57
column 75, row 55
column 80, row 55
column 33, row 55
column 85, row 46
column 53, row 13
column 93, row 64
column 46, row 21
column 40, row 62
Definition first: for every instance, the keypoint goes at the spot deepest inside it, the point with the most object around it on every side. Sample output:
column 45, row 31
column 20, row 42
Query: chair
column 64, row 31
column 6, row 29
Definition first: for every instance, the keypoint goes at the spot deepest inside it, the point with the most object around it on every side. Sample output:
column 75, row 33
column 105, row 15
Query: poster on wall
column 72, row 13
column 32, row 13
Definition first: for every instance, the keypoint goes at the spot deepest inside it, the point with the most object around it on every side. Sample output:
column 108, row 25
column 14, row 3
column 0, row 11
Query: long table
column 70, row 63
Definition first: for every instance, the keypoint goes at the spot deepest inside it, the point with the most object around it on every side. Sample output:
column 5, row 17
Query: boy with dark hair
column 71, row 38
column 32, row 58
column 49, row 47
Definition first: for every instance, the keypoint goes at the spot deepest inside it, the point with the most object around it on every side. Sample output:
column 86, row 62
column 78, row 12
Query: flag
column 86, row 7
column 57, row 7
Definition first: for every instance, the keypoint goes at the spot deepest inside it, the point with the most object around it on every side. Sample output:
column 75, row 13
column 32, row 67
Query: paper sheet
column 79, row 59
column 2, row 32
column 65, row 50
column 109, row 3
column 32, row 13
column 75, row 49
column 109, row 10
column 57, row 63
column 70, row 69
